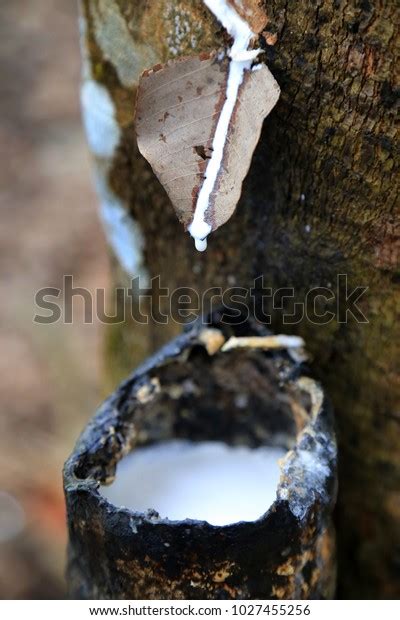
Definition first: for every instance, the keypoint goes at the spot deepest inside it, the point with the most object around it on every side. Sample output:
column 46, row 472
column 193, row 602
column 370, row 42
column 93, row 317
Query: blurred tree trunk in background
column 319, row 201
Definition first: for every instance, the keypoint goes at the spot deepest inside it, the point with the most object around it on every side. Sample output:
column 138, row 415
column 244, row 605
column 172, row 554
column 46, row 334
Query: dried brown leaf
column 178, row 108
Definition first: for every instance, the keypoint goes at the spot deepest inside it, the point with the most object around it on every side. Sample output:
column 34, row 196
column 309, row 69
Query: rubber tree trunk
column 319, row 201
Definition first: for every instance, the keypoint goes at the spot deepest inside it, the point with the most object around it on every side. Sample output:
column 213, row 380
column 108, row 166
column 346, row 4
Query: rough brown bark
column 320, row 200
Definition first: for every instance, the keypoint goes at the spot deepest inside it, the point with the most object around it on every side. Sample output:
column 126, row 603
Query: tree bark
column 319, row 201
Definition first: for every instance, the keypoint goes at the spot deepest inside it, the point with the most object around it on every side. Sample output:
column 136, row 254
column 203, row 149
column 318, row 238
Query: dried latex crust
column 252, row 12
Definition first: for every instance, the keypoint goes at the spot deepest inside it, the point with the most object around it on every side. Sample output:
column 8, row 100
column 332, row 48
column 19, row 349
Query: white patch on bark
column 103, row 135
column 122, row 232
column 98, row 113
column 241, row 60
